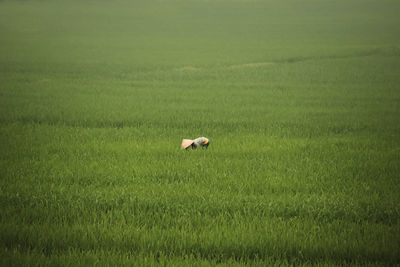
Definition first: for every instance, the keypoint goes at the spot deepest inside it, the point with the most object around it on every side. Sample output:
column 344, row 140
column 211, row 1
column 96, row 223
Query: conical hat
column 186, row 143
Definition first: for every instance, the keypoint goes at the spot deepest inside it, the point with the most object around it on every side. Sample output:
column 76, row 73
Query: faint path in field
column 381, row 51
column 187, row 69
column 237, row 66
column 392, row 51
column 251, row 65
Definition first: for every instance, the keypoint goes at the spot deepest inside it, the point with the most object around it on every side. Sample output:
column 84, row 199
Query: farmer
column 198, row 142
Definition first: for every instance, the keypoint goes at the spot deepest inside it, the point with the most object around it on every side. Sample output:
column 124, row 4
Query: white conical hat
column 186, row 143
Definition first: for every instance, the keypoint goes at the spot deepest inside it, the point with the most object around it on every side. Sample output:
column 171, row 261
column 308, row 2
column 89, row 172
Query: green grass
column 300, row 101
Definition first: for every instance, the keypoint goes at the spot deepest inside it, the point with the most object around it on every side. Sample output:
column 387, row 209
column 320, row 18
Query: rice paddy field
column 300, row 101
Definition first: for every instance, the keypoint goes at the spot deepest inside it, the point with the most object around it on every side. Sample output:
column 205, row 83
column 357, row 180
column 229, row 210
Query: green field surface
column 300, row 101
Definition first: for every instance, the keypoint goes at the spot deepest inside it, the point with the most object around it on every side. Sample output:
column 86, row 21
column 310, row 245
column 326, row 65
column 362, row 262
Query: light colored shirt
column 199, row 142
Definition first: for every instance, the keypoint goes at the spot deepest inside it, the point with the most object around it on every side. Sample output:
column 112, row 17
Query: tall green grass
column 300, row 101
